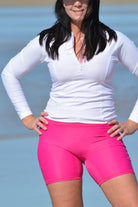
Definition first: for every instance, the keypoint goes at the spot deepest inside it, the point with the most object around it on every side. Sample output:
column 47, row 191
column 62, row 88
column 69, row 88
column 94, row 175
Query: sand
column 51, row 2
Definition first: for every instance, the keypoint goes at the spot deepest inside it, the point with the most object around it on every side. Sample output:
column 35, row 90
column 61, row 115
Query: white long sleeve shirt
column 80, row 92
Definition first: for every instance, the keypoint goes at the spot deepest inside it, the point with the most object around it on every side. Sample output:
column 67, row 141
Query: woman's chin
column 77, row 21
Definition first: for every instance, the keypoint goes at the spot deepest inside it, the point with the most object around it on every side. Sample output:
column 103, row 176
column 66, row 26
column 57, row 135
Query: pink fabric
column 64, row 147
column 82, row 57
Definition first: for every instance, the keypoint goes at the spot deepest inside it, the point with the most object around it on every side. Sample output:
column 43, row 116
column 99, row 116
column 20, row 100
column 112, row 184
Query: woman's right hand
column 34, row 123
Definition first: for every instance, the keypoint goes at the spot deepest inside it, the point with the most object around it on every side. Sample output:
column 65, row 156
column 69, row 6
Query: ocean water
column 21, row 182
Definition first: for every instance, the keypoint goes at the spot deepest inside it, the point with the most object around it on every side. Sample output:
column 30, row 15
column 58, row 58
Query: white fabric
column 80, row 92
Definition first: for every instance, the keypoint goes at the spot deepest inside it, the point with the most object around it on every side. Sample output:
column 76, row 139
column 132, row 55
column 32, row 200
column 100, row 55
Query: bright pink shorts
column 64, row 147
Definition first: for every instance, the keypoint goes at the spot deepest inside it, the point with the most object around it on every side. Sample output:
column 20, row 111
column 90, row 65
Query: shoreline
column 8, row 3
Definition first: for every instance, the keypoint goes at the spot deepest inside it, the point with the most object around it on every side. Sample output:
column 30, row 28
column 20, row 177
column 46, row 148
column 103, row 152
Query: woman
column 79, row 123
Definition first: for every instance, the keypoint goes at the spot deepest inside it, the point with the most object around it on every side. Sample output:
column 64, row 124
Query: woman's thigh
column 122, row 191
column 66, row 193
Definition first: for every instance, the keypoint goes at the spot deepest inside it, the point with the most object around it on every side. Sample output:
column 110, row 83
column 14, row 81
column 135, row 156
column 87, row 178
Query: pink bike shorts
column 64, row 147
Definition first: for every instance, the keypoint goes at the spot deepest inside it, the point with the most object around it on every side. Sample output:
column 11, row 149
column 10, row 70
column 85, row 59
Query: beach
column 51, row 2
column 21, row 181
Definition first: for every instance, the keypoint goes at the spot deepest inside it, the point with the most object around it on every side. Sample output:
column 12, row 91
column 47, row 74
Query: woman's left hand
column 122, row 128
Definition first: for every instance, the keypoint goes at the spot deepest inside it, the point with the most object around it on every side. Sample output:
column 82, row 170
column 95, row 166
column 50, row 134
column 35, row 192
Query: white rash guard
column 80, row 92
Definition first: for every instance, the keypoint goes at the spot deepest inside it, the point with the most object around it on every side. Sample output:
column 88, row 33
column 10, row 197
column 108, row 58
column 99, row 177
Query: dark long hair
column 96, row 32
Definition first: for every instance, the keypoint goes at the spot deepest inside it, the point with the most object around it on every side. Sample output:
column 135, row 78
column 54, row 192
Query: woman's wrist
column 26, row 121
column 135, row 124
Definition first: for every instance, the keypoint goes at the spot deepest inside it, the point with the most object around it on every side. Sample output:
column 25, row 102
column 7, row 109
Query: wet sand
column 51, row 2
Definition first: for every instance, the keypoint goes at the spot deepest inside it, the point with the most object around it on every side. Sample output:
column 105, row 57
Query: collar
column 69, row 45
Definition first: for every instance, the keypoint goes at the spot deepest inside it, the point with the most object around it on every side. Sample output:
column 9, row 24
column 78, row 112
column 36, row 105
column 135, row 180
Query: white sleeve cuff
column 134, row 114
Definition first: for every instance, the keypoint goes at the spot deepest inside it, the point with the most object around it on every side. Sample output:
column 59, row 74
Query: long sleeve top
column 81, row 92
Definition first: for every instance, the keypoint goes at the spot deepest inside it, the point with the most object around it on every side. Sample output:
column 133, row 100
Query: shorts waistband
column 76, row 124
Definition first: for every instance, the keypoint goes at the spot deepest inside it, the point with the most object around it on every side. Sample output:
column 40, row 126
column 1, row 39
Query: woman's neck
column 76, row 29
